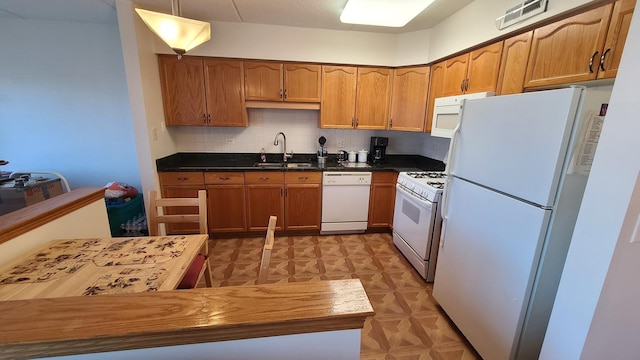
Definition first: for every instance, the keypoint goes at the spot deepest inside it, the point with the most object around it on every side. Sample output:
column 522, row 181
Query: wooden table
column 83, row 267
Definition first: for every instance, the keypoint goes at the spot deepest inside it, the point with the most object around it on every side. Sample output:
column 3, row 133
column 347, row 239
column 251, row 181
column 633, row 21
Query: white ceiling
column 322, row 14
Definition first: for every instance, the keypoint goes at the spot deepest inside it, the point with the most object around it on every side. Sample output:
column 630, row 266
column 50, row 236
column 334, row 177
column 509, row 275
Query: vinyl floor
column 408, row 323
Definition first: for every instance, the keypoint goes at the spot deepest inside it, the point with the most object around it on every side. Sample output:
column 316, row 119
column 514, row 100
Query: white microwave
column 446, row 111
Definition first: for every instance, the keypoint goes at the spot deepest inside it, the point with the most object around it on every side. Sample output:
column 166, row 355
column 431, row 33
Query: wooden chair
column 200, row 266
column 266, row 251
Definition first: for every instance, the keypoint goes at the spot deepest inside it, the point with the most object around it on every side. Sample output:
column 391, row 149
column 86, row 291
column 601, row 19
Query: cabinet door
column 455, row 75
column 303, row 204
column 409, row 98
column 224, row 81
column 616, row 37
column 263, row 81
column 170, row 191
column 435, row 91
column 226, row 208
column 383, row 198
column 484, row 66
column 568, row 50
column 372, row 99
column 262, row 202
column 513, row 64
column 183, row 94
column 337, row 109
column 302, row 82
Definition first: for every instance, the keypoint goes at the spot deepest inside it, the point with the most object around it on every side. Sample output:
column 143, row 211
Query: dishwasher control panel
column 346, row 178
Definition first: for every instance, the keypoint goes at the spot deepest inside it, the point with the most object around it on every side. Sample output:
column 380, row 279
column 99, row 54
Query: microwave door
column 445, row 125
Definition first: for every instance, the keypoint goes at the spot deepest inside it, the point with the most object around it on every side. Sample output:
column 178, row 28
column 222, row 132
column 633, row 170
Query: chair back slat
column 155, row 219
column 266, row 250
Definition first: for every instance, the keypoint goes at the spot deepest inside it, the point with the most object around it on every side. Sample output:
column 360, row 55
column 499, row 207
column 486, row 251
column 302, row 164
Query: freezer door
column 516, row 144
column 489, row 251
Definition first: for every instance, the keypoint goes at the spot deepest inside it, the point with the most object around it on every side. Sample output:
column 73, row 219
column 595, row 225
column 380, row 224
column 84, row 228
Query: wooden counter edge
column 91, row 324
column 26, row 219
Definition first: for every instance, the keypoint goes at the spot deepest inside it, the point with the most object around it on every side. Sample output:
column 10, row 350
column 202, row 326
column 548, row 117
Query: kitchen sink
column 268, row 165
column 299, row 165
column 283, row 165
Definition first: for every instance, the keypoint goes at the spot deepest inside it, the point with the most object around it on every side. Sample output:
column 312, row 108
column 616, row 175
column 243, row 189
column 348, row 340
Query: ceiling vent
column 520, row 12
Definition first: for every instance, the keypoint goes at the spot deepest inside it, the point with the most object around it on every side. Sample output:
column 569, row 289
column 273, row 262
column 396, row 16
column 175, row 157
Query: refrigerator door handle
column 448, row 174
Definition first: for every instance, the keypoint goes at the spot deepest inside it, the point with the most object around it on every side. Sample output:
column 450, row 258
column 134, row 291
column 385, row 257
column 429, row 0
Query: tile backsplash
column 302, row 132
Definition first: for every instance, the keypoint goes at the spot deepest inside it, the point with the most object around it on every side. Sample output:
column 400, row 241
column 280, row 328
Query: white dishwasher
column 345, row 201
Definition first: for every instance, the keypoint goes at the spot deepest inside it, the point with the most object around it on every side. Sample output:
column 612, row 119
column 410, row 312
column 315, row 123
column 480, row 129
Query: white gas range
column 417, row 220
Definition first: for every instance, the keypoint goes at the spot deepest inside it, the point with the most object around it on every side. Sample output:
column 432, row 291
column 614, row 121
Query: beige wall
column 89, row 221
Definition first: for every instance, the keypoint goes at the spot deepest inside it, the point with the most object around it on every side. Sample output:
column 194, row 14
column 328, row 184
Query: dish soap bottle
column 263, row 156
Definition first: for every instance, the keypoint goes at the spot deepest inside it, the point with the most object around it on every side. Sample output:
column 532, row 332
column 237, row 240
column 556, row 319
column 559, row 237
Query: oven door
column 414, row 220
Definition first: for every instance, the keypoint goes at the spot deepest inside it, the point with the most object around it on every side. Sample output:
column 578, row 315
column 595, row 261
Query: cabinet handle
column 391, row 123
column 466, row 84
column 303, row 178
column 223, row 178
column 280, row 93
column 604, row 55
column 357, row 122
column 204, row 118
column 285, row 93
column 208, row 118
column 353, row 122
column 183, row 178
column 462, row 85
column 591, row 61
column 264, row 178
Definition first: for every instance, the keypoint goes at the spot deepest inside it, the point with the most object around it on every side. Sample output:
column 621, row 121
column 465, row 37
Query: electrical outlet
column 231, row 141
column 340, row 143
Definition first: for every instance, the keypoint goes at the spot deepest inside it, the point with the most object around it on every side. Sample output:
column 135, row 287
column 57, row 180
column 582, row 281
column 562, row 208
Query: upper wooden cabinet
column 568, row 50
column 616, row 37
column 435, row 91
column 476, row 71
column 372, row 98
column 409, row 98
column 355, row 98
column 202, row 92
column 270, row 81
column 338, row 97
column 224, row 81
column 183, row 94
column 513, row 66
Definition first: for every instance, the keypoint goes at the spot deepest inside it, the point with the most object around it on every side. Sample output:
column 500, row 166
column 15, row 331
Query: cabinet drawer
column 303, row 177
column 224, row 178
column 384, row 177
column 264, row 177
column 181, row 178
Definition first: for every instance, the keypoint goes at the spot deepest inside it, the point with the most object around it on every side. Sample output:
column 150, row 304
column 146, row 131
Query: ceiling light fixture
column 391, row 13
column 181, row 34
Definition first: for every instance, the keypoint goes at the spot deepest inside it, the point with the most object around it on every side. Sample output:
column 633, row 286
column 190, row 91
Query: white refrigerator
column 518, row 166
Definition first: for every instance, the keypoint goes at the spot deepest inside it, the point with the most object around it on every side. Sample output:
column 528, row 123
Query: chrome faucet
column 285, row 156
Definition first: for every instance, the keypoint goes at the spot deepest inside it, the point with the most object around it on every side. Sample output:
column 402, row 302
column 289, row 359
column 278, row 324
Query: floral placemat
column 149, row 250
column 128, row 280
column 60, row 260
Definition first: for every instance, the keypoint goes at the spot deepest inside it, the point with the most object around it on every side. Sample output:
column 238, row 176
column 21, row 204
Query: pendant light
column 181, row 34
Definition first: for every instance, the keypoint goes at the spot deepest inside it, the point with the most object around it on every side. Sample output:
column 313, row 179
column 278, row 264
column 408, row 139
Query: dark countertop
column 246, row 161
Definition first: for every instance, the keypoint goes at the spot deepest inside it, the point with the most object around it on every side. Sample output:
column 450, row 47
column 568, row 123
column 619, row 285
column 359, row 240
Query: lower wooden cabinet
column 382, row 199
column 226, row 208
column 238, row 202
column 265, row 197
column 303, row 200
column 295, row 197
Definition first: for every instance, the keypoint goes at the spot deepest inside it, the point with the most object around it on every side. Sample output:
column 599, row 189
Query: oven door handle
column 424, row 203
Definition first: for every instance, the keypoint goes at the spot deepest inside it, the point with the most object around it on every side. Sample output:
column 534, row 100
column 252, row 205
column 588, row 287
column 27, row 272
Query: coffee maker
column 378, row 149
